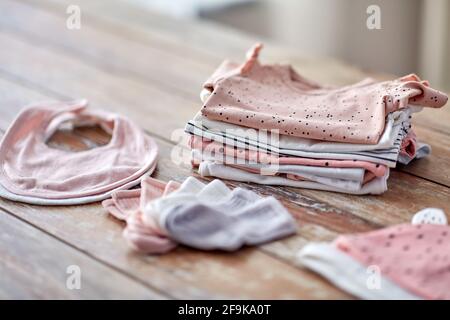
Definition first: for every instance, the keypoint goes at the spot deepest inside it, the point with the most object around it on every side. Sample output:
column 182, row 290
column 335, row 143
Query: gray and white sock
column 243, row 218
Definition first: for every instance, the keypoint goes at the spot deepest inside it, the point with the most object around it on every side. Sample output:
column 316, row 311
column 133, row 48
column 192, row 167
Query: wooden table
column 150, row 68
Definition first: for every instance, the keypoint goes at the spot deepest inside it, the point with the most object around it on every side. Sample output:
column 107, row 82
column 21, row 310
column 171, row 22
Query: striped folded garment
column 267, row 124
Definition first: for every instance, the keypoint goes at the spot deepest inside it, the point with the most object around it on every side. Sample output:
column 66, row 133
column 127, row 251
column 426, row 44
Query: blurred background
column 414, row 34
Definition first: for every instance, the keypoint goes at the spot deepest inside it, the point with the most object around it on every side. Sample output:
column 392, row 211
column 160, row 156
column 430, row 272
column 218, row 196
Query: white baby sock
column 242, row 218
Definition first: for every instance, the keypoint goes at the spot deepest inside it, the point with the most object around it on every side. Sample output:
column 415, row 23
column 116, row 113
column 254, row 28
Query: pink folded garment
column 144, row 236
column 29, row 167
column 409, row 145
column 416, row 257
column 276, row 97
column 123, row 203
column 220, row 152
column 145, row 239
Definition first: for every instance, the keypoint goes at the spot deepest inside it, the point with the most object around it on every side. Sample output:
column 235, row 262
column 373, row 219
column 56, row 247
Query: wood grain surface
column 151, row 68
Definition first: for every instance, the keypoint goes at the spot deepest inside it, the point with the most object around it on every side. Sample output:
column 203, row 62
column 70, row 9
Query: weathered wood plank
column 33, row 265
column 435, row 167
column 205, row 43
column 13, row 98
column 167, row 70
column 149, row 107
column 407, row 194
column 125, row 43
column 132, row 22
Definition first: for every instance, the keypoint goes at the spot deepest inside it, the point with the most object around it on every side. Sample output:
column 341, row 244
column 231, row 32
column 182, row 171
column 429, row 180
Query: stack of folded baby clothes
column 267, row 124
column 204, row 216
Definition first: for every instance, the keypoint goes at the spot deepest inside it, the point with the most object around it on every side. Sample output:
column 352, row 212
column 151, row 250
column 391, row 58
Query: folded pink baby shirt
column 31, row 168
column 277, row 97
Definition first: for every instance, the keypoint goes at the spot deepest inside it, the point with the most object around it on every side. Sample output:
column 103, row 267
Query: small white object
column 429, row 216
column 204, row 94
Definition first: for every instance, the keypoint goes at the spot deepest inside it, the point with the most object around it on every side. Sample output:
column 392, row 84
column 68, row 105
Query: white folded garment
column 347, row 178
column 354, row 174
column 208, row 168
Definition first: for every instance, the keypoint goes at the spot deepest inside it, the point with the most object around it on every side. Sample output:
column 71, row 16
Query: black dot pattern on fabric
column 276, row 97
column 416, row 257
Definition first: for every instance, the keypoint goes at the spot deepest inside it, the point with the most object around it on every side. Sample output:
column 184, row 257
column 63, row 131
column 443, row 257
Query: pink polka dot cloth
column 416, row 257
column 277, row 97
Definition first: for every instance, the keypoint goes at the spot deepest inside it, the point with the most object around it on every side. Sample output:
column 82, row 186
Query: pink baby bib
column 29, row 167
